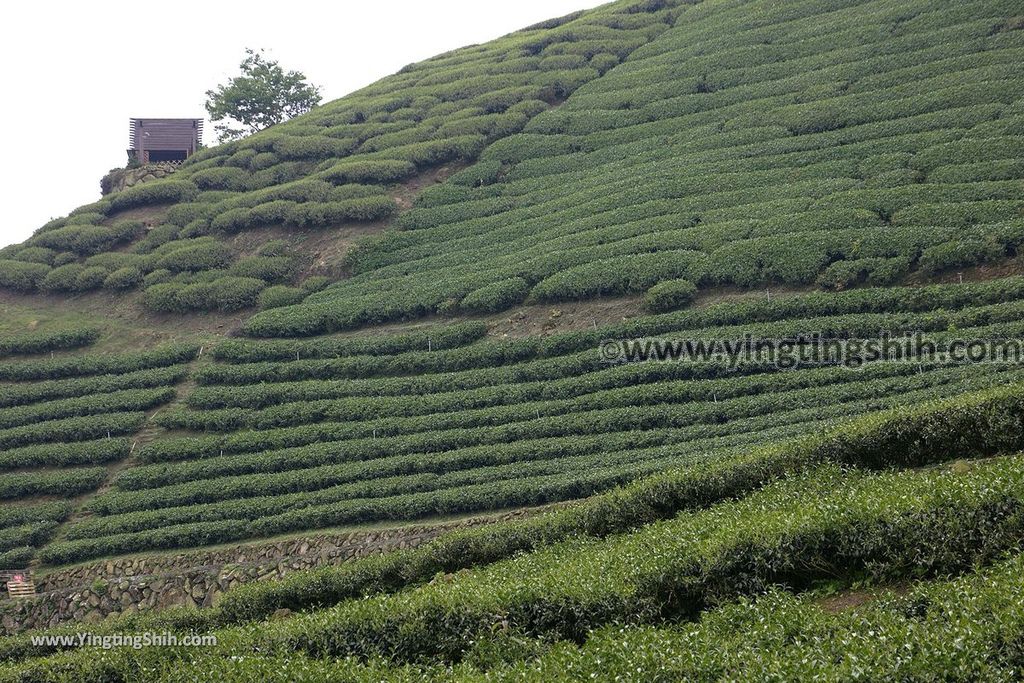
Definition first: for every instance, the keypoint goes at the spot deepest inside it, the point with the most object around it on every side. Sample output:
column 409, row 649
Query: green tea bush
column 964, row 214
column 42, row 342
column 669, row 295
column 846, row 273
column 156, row 237
column 221, row 178
column 91, row 278
column 80, row 366
column 88, row 239
column 26, row 535
column 267, row 268
column 22, row 276
column 378, row 171
column 310, row 147
column 243, row 158
column 101, row 207
column 68, row 482
column 280, row 295
column 422, row 217
column 233, row 220
column 196, row 257
column 162, row 297
column 84, row 428
column 1006, row 169
column 434, row 152
column 613, row 402
column 197, row 228
column 980, row 610
column 433, row 337
column 496, row 296
column 157, row 277
column 270, row 213
column 46, row 390
column 64, row 258
column 66, row 455
column 85, row 218
column 315, row 283
column 264, row 160
column 62, row 278
column 199, row 533
column 223, row 294
column 284, row 172
column 958, row 254
column 319, row 215
column 113, row 260
column 17, row 557
column 35, row 255
column 888, row 271
column 183, row 214
column 94, row 404
column 160, row 192
column 603, row 61
column 123, row 279
column 290, row 321
column 621, row 275
column 56, row 511
column 477, row 175
column 971, row 150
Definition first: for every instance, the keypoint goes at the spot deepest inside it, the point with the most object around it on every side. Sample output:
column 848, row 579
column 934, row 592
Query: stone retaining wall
column 120, row 178
column 88, row 593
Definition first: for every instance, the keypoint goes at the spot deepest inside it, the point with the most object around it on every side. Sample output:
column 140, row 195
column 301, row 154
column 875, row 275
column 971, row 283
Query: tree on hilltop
column 264, row 94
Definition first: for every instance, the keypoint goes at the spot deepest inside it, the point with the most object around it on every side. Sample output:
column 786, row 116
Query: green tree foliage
column 264, row 94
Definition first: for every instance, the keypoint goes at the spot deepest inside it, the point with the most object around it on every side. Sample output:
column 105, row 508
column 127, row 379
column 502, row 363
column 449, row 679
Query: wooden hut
column 161, row 140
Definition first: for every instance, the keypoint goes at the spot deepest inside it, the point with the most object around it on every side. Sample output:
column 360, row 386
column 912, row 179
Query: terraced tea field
column 64, row 421
column 319, row 329
column 787, row 516
column 309, row 434
column 868, row 140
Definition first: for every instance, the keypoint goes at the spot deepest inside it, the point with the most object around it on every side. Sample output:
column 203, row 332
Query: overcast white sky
column 75, row 72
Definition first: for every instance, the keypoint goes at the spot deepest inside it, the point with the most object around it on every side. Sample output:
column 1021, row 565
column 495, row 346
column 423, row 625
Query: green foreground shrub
column 669, row 295
column 970, row 426
column 42, row 342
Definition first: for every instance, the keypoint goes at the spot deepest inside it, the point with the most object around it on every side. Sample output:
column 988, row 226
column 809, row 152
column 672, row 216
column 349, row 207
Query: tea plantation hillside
column 618, row 582
column 418, row 303
column 337, row 165
column 65, row 421
column 306, row 434
column 834, row 143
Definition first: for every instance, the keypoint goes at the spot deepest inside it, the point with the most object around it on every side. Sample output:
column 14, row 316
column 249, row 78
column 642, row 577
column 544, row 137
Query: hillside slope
column 187, row 240
column 841, row 141
column 817, row 174
column 717, row 170
column 611, row 586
